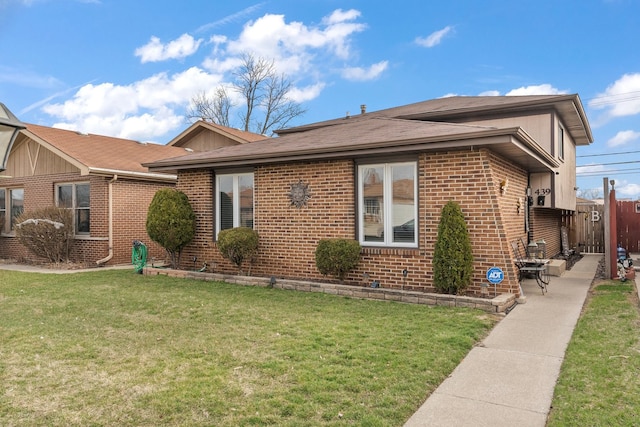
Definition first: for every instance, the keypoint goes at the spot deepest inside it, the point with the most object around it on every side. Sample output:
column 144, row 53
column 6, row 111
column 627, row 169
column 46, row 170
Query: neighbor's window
column 76, row 196
column 560, row 142
column 17, row 204
column 234, row 199
column 387, row 204
column 12, row 201
column 3, row 209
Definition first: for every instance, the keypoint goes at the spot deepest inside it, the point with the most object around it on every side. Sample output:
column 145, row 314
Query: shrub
column 47, row 232
column 452, row 258
column 238, row 244
column 337, row 257
column 171, row 222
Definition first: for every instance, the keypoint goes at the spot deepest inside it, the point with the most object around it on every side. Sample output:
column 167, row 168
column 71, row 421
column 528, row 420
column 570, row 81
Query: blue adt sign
column 495, row 275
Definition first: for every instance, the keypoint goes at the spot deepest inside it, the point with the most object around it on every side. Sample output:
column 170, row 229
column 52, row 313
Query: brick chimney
column 363, row 108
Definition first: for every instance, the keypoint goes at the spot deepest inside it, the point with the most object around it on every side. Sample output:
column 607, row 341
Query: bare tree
column 215, row 109
column 264, row 93
column 589, row 193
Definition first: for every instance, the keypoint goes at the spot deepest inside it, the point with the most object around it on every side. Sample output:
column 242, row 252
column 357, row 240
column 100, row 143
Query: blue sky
column 129, row 68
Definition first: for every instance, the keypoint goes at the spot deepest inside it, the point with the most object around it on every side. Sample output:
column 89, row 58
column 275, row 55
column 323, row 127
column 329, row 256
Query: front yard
column 116, row 348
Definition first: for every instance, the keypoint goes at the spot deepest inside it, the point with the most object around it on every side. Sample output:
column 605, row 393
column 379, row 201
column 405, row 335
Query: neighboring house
column 383, row 177
column 101, row 179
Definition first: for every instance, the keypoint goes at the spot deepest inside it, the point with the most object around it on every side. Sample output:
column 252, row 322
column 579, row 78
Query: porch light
column 10, row 126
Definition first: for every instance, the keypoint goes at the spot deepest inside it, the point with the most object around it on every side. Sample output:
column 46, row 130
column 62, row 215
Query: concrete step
column 557, row 267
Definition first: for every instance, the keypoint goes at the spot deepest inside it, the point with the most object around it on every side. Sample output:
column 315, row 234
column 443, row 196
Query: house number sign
column 299, row 194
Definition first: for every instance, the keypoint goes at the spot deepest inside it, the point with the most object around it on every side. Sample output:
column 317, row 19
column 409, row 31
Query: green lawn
column 112, row 348
column 599, row 383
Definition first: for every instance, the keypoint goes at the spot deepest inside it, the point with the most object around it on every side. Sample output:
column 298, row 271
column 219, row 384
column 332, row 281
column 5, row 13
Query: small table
column 539, row 268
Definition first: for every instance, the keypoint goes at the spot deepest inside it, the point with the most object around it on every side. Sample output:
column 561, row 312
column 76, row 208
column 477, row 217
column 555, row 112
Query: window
column 3, row 209
column 12, row 201
column 560, row 142
column 387, row 204
column 234, row 199
column 76, row 197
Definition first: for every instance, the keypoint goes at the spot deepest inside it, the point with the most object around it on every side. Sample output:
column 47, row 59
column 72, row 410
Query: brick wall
column 131, row 202
column 288, row 235
column 546, row 224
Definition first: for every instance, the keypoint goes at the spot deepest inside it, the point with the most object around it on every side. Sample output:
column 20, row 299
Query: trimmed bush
column 452, row 258
column 47, row 232
column 171, row 222
column 337, row 257
column 238, row 244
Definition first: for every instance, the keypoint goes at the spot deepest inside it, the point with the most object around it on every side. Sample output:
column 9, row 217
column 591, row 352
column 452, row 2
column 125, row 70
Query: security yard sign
column 495, row 275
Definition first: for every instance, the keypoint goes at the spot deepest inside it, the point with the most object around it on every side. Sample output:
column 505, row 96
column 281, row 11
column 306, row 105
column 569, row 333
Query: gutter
column 110, row 255
column 135, row 175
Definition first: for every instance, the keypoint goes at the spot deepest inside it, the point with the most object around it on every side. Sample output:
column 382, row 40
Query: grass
column 115, row 348
column 599, row 383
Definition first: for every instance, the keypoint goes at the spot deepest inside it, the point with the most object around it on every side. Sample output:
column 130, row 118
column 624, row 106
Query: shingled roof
column 423, row 126
column 455, row 108
column 100, row 154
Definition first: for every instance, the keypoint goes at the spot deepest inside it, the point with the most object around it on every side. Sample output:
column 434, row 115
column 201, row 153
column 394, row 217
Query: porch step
column 557, row 267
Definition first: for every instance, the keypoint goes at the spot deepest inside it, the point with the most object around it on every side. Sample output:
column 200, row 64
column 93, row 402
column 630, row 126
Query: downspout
column 108, row 257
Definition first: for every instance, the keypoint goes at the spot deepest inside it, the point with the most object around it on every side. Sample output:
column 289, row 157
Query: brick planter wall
column 500, row 304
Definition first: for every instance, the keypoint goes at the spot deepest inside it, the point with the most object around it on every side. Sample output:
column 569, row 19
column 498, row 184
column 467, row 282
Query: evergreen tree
column 171, row 222
column 452, row 258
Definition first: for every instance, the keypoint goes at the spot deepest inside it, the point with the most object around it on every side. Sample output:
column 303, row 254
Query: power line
column 614, row 99
column 607, row 164
column 609, row 154
column 608, row 171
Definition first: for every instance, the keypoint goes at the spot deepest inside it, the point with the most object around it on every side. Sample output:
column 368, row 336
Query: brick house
column 101, row 178
column 383, row 177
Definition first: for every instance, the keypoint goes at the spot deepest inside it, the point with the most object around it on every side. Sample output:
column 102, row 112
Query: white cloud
column 230, row 18
column 362, row 74
column 628, row 190
column 543, row 89
column 155, row 51
column 490, row 93
column 620, row 98
column 271, row 37
column 589, row 169
column 154, row 106
column 306, row 93
column 143, row 110
column 338, row 16
column 623, row 137
column 434, row 38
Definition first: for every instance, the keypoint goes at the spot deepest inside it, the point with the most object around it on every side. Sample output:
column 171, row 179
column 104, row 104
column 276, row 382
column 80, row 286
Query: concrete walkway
column 509, row 379
column 27, row 268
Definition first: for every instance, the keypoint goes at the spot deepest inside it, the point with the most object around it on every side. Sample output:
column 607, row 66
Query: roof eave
column 537, row 159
